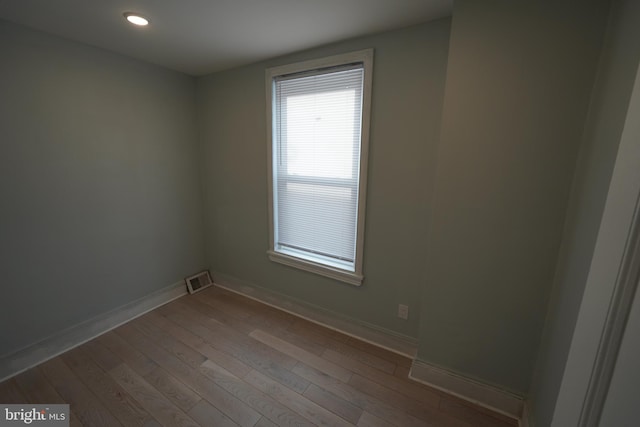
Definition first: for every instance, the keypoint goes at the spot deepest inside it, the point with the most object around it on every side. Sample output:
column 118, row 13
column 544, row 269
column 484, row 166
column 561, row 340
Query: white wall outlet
column 403, row 311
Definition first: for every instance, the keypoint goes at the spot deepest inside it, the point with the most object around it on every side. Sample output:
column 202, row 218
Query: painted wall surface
column 98, row 183
column 518, row 83
column 597, row 323
column 607, row 112
column 408, row 83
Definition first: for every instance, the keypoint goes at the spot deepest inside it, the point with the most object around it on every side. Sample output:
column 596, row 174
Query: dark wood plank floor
column 218, row 359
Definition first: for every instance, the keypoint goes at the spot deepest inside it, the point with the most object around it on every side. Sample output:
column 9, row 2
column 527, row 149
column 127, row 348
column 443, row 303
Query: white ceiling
column 202, row 36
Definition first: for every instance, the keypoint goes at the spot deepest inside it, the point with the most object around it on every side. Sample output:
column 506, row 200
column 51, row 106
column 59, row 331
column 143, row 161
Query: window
column 318, row 116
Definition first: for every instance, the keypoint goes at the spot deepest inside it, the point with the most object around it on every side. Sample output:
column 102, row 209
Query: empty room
column 338, row 212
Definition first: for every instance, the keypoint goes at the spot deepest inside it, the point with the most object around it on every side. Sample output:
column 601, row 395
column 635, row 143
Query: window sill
column 313, row 267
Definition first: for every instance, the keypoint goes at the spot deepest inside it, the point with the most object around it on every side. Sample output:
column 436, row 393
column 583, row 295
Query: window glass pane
column 318, row 218
column 320, row 134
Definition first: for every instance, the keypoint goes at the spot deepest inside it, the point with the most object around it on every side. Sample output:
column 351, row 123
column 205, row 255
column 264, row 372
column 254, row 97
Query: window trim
column 366, row 58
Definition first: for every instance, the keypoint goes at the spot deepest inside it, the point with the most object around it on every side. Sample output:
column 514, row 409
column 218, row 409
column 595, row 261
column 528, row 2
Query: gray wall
column 408, row 84
column 518, row 84
column 98, row 183
column 610, row 99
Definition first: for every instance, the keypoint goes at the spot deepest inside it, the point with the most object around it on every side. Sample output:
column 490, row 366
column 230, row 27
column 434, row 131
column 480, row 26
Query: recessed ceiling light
column 136, row 19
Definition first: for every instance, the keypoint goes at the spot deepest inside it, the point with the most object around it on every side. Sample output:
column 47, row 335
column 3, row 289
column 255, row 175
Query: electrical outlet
column 403, row 311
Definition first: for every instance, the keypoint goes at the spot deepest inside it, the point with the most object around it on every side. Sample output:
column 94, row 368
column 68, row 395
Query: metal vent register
column 198, row 282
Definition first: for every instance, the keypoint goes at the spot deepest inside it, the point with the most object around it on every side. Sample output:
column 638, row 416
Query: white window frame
column 365, row 57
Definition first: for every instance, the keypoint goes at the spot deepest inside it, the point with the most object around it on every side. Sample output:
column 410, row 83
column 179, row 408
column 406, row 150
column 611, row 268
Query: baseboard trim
column 396, row 343
column 485, row 395
column 33, row 355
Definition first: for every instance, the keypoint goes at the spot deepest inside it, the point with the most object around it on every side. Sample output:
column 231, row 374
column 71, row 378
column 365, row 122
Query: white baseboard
column 485, row 395
column 389, row 340
column 28, row 357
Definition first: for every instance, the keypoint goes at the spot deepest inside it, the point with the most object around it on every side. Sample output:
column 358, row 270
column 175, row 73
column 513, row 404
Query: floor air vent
column 198, row 282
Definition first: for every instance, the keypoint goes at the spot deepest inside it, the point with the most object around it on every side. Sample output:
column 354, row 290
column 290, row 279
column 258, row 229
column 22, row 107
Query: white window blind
column 316, row 164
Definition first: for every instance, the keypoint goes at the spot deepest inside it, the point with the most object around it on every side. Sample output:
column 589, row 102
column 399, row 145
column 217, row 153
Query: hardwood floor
column 218, row 359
